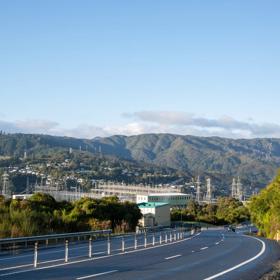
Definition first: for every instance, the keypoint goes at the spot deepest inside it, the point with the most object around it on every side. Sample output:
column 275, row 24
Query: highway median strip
column 102, row 257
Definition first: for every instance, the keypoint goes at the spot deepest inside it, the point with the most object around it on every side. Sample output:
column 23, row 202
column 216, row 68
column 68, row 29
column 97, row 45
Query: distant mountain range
column 254, row 160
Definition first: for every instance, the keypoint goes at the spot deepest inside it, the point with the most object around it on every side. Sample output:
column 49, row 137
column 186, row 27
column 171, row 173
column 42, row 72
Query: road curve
column 214, row 254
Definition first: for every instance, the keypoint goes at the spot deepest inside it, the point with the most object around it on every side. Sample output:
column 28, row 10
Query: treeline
column 225, row 211
column 265, row 209
column 42, row 214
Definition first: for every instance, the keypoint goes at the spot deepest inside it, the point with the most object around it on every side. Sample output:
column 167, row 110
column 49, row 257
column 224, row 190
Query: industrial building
column 154, row 214
column 175, row 200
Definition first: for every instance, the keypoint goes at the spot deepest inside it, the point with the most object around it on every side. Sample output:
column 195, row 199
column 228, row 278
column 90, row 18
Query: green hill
column 254, row 160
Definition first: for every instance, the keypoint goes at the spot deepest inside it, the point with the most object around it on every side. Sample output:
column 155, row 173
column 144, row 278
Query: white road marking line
column 241, row 264
column 44, row 262
column 173, row 257
column 14, row 267
column 217, row 243
column 47, row 253
column 97, row 274
column 204, row 248
column 26, row 265
column 98, row 258
column 193, row 251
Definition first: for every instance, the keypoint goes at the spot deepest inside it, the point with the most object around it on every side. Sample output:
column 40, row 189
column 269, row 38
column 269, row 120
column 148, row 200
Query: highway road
column 211, row 254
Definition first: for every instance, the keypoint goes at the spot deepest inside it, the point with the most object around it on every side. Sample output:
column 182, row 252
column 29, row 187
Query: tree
column 265, row 209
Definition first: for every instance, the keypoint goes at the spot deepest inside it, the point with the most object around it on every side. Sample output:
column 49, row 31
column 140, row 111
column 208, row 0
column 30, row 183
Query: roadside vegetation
column 42, row 214
column 265, row 209
column 225, row 211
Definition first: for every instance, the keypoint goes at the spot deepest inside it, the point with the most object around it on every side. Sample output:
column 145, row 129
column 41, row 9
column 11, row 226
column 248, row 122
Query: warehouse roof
column 151, row 204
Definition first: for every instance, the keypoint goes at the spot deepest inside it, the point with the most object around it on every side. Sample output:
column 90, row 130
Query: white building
column 154, row 214
column 21, row 196
column 175, row 200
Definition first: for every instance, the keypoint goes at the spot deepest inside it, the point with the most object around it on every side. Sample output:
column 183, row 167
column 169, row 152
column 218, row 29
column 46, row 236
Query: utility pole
column 209, row 190
column 198, row 194
column 6, row 191
column 27, row 185
column 239, row 189
column 233, row 188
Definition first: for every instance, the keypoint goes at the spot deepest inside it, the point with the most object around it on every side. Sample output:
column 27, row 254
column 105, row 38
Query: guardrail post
column 170, row 236
column 154, row 239
column 160, row 238
column 135, row 241
column 123, row 245
column 145, row 240
column 36, row 254
column 66, row 251
column 166, row 238
column 90, row 247
column 175, row 235
column 109, row 245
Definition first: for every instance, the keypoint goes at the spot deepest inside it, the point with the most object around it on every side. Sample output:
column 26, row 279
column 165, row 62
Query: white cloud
column 151, row 122
column 52, row 128
column 186, row 123
column 36, row 125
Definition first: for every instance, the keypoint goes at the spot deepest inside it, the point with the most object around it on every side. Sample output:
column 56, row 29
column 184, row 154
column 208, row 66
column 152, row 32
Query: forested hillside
column 254, row 160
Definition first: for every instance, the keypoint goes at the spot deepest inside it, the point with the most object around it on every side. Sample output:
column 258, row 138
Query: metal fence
column 120, row 244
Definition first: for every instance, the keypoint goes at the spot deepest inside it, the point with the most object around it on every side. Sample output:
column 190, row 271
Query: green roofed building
column 175, row 200
column 154, row 214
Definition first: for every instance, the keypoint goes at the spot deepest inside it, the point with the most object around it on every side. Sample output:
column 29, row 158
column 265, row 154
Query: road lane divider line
column 27, row 265
column 96, row 275
column 173, row 257
column 44, row 262
column 243, row 263
column 204, row 248
column 14, row 267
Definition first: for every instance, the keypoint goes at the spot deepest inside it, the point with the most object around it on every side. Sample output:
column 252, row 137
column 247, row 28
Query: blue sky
column 97, row 68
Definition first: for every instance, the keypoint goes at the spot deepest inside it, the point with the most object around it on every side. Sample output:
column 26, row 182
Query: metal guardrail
column 169, row 236
column 53, row 236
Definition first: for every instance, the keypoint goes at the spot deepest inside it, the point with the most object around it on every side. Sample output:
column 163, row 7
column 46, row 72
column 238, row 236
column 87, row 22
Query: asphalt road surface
column 211, row 254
